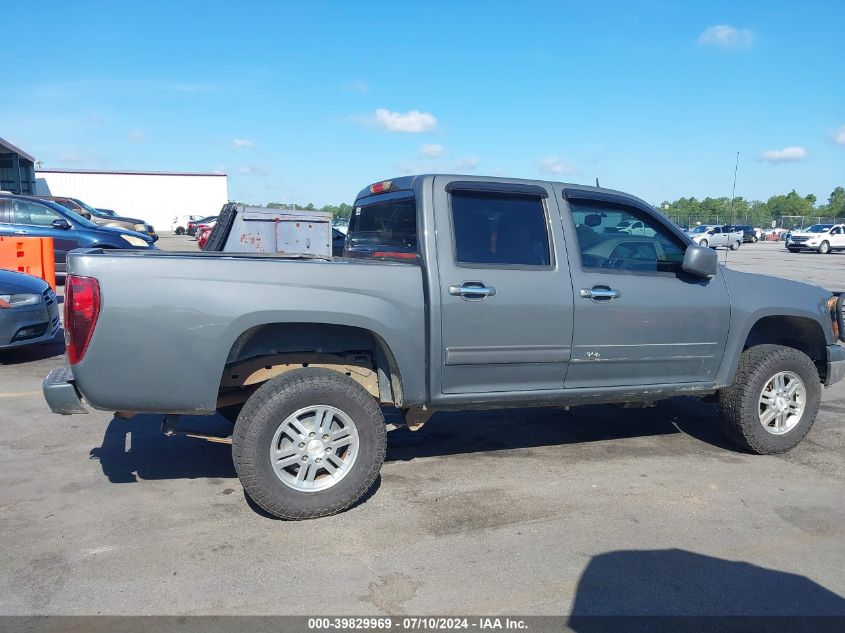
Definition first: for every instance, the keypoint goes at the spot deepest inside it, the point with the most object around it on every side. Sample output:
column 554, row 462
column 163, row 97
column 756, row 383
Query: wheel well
column 800, row 333
column 266, row 351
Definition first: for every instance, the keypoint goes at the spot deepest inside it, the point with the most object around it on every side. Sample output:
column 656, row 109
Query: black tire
column 754, row 240
column 824, row 248
column 180, row 230
column 272, row 404
column 704, row 243
column 739, row 404
column 735, row 246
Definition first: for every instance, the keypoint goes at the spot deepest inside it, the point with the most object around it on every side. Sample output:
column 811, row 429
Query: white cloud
column 431, row 150
column 412, row 122
column 839, row 136
column 725, row 36
column 137, row 136
column 468, row 164
column 254, row 169
column 242, row 142
column 555, row 166
column 785, row 155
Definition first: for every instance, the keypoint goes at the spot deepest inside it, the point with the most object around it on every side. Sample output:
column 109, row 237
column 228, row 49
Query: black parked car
column 33, row 217
column 749, row 234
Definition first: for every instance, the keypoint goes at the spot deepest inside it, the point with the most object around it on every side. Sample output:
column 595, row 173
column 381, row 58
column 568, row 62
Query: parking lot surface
column 593, row 510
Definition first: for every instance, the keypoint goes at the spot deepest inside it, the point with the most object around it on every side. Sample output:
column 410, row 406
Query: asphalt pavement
column 593, row 510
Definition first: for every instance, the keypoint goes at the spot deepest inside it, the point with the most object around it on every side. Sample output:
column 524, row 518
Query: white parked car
column 822, row 238
column 631, row 227
column 713, row 236
column 180, row 223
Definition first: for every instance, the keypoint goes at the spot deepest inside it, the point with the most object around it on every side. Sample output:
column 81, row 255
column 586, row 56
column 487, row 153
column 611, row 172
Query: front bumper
column 835, row 364
column 60, row 392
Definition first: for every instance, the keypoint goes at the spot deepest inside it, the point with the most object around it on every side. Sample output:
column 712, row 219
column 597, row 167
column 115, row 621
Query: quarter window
column 616, row 237
column 500, row 229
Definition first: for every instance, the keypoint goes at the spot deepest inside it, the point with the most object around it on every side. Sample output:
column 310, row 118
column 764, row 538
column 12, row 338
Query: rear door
column 837, row 236
column 505, row 290
column 639, row 320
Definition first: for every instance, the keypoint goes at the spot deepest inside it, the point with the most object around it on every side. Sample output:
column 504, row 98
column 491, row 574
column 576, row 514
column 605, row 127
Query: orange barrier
column 30, row 255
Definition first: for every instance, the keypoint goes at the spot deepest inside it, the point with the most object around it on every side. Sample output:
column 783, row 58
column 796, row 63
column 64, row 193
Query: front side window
column 652, row 248
column 500, row 229
column 24, row 212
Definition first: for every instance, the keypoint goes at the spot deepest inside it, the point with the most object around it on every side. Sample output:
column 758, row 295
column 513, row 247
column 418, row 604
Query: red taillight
column 381, row 187
column 82, row 306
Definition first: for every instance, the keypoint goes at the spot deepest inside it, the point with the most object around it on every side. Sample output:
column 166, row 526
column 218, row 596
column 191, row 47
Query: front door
column 32, row 219
column 639, row 320
column 505, row 290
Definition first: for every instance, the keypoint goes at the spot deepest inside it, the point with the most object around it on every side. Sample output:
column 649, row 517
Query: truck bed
column 179, row 314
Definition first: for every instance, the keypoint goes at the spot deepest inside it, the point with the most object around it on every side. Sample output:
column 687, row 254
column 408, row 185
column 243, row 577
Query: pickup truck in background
column 455, row 292
column 715, row 236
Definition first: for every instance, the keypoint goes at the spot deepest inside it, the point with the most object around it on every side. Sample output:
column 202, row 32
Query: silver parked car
column 29, row 310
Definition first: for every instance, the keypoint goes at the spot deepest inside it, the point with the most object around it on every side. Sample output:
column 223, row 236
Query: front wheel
column 180, row 230
column 754, row 240
column 704, row 243
column 824, row 248
column 308, row 444
column 773, row 400
column 735, row 246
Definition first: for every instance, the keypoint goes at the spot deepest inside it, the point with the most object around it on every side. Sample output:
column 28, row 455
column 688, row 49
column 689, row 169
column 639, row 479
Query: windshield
column 818, row 228
column 700, row 229
column 88, row 207
column 75, row 218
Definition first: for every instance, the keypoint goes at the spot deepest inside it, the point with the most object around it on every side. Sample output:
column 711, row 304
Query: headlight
column 19, row 301
column 141, row 228
column 134, row 241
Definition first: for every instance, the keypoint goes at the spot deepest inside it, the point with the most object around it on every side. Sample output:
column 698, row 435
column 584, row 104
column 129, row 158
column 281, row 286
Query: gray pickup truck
column 455, row 292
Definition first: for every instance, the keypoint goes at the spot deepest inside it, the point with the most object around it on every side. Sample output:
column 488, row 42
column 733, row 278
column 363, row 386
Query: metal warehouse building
column 17, row 169
column 155, row 197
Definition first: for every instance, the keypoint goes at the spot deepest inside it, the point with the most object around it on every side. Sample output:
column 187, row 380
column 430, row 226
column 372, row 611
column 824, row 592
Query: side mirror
column 592, row 220
column 700, row 261
column 61, row 224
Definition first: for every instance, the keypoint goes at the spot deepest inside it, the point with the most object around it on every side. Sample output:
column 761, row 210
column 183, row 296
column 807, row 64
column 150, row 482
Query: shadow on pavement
column 137, row 449
column 674, row 582
column 451, row 433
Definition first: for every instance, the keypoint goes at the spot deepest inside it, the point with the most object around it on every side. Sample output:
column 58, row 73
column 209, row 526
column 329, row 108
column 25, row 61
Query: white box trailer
column 155, row 197
column 243, row 229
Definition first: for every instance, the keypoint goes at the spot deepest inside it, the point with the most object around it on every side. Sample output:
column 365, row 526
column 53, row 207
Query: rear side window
column 500, row 229
column 383, row 227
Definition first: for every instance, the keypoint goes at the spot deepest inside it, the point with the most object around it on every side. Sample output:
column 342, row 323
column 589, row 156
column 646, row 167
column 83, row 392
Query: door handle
column 472, row 291
column 600, row 293
column 21, row 232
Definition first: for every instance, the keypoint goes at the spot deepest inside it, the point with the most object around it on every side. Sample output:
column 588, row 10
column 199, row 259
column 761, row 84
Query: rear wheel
column 704, row 243
column 773, row 400
column 180, row 230
column 824, row 248
column 308, row 444
column 754, row 240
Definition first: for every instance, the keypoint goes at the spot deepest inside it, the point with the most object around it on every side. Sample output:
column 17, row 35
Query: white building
column 152, row 196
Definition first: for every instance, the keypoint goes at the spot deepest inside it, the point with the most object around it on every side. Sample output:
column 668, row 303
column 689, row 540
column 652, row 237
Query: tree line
column 689, row 211
column 755, row 212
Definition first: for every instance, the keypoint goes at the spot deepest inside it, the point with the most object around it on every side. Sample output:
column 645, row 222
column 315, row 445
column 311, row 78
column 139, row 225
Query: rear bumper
column 835, row 364
column 60, row 393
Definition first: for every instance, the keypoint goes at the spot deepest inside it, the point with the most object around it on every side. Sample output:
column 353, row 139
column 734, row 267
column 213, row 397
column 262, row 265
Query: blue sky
column 311, row 101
